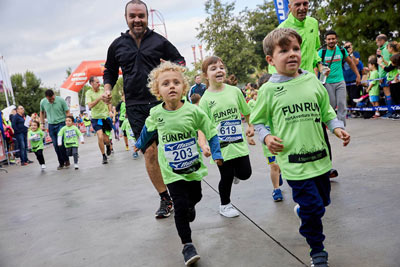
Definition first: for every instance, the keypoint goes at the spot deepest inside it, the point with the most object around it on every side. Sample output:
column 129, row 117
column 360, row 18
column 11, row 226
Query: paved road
column 102, row 215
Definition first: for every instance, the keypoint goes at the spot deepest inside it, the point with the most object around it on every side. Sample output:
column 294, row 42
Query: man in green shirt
column 382, row 42
column 100, row 111
column 55, row 109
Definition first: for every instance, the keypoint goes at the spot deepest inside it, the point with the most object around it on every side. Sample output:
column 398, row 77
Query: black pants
column 73, row 151
column 39, row 156
column 353, row 91
column 238, row 167
column 185, row 195
column 327, row 140
column 395, row 93
column 313, row 195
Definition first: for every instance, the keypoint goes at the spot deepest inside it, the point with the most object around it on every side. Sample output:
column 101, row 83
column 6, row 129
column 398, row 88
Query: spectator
column 382, row 51
column 198, row 88
column 353, row 90
column 20, row 133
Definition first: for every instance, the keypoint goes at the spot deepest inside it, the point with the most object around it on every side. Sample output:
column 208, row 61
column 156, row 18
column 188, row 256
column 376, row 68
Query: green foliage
column 117, row 92
column 27, row 91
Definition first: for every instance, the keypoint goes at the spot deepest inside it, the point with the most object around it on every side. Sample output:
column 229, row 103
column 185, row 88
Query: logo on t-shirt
column 317, row 120
column 212, row 104
column 279, row 91
column 160, row 121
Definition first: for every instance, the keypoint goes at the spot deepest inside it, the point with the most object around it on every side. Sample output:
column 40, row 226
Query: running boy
column 293, row 103
column 224, row 105
column 35, row 136
column 373, row 88
column 70, row 134
column 126, row 128
column 182, row 168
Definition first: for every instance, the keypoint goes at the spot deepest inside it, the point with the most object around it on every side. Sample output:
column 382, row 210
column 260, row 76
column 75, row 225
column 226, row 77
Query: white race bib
column 181, row 155
column 230, row 131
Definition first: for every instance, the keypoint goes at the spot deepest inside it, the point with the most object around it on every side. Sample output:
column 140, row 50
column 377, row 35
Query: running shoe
column 386, row 116
column 67, row 164
column 108, row 148
column 228, row 211
column 190, row 255
column 277, row 195
column 333, row 173
column 236, row 180
column 395, row 117
column 320, row 259
column 191, row 214
column 127, row 148
column 43, row 166
column 76, row 166
column 105, row 161
column 24, row 163
column 135, row 155
column 165, row 209
column 60, row 167
column 29, row 161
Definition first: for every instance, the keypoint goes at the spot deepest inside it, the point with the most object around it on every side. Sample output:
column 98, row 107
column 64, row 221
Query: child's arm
column 203, row 144
column 59, row 140
column 144, row 138
column 81, row 139
column 274, row 144
column 216, row 150
column 342, row 134
column 250, row 128
column 369, row 87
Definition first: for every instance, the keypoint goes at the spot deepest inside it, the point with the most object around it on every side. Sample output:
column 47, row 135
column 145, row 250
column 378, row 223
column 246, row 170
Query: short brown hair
column 395, row 60
column 195, row 98
column 207, row 62
column 279, row 37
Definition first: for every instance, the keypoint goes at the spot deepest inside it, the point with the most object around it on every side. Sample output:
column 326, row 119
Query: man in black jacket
column 138, row 51
column 20, row 134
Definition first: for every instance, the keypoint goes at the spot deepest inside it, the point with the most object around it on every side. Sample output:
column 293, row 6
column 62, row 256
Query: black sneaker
column 29, row 161
column 190, row 255
column 333, row 173
column 320, row 259
column 67, row 164
column 165, row 209
column 108, row 150
column 60, row 167
column 191, row 214
column 105, row 161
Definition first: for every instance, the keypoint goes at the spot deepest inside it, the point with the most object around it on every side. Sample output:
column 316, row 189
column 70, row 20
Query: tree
column 117, row 92
column 27, row 91
column 222, row 33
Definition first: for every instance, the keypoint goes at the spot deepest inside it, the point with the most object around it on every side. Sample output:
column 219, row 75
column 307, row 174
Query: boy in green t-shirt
column 177, row 123
column 70, row 133
column 35, row 136
column 126, row 128
column 373, row 87
column 292, row 105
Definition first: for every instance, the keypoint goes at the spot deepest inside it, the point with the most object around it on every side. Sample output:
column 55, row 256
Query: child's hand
column 250, row 131
column 206, row 150
column 135, row 149
column 274, row 144
column 219, row 162
column 251, row 141
column 342, row 134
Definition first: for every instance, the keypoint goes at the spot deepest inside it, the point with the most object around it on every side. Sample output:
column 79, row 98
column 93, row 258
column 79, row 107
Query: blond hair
column 163, row 67
column 281, row 37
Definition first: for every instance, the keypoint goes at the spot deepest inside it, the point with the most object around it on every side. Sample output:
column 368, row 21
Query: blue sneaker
column 280, row 179
column 135, row 155
column 277, row 195
column 386, row 116
column 320, row 259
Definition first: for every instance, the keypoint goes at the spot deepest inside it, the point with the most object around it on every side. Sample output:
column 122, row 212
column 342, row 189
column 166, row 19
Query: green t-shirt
column 336, row 74
column 224, row 109
column 294, row 111
column 56, row 111
column 36, row 138
column 122, row 111
column 127, row 128
column 375, row 88
column 86, row 121
column 179, row 154
column 70, row 135
column 386, row 55
column 392, row 74
column 100, row 111
column 251, row 104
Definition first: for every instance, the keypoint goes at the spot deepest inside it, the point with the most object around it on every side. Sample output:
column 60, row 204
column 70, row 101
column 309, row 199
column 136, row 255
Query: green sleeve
column 317, row 57
column 243, row 107
column 260, row 111
column 61, row 132
column 123, row 126
column 204, row 124
column 78, row 132
column 151, row 122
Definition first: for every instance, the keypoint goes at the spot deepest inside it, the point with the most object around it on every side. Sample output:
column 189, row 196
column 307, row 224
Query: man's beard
column 137, row 34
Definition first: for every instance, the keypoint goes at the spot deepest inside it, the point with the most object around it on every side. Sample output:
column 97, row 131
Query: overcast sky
column 47, row 36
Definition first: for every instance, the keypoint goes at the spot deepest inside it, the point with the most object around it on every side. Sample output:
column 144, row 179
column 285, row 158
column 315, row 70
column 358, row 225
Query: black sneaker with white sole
column 320, row 259
column 108, row 150
column 165, row 209
column 105, row 161
column 190, row 255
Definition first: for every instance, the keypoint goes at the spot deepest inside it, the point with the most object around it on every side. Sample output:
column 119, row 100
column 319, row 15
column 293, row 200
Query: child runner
column 35, row 136
column 126, row 128
column 177, row 122
column 293, row 103
column 224, row 105
column 373, row 88
column 276, row 177
column 70, row 134
column 87, row 123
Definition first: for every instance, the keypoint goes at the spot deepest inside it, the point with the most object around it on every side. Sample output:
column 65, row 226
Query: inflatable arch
column 78, row 78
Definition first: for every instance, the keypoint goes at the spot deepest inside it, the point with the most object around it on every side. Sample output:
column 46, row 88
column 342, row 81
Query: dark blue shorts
column 101, row 124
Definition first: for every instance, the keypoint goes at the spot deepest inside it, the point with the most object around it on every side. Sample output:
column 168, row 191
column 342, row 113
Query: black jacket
column 18, row 124
column 136, row 64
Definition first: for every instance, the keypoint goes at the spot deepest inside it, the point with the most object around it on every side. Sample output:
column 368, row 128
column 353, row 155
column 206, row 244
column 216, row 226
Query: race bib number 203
column 181, row 155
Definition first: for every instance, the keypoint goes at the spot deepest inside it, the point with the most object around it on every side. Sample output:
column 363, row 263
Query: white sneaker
column 76, row 166
column 43, row 166
column 236, row 180
column 228, row 211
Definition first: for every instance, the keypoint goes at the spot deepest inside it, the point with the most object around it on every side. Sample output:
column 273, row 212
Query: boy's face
column 170, row 84
column 68, row 122
column 216, row 73
column 286, row 59
column 34, row 126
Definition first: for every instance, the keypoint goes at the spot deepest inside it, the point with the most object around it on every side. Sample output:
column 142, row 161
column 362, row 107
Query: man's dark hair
column 91, row 79
column 49, row 93
column 137, row 2
column 263, row 79
column 382, row 37
column 330, row 32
